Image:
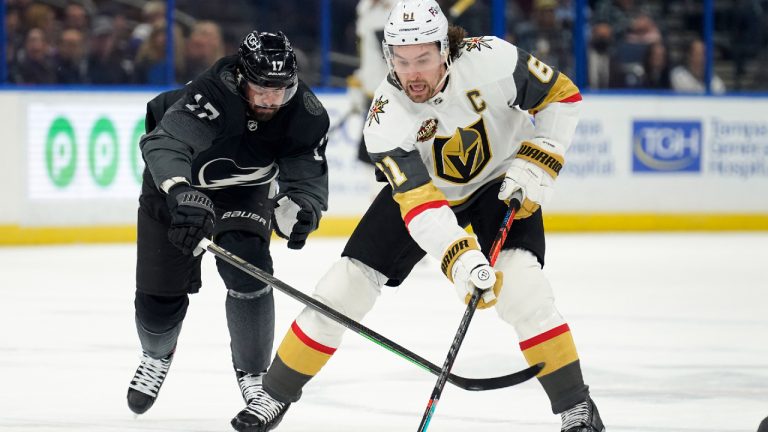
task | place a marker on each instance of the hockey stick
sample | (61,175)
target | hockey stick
(474,384)
(459,7)
(338,124)
(453,351)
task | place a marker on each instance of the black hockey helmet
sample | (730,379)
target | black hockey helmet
(267,63)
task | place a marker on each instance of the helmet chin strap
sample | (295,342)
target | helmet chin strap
(439,86)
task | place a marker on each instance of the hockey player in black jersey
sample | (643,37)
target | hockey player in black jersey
(235,154)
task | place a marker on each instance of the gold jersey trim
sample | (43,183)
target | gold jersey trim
(563,88)
(413,198)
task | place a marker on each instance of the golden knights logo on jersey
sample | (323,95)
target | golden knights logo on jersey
(461,157)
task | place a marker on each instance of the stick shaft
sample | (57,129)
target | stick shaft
(453,351)
(473,384)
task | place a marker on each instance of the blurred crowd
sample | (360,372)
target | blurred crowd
(104,45)
(653,44)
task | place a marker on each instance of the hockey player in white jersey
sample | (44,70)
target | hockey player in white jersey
(451,129)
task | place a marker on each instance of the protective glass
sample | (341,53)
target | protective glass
(424,61)
(269,97)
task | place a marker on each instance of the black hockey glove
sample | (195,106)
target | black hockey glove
(293,219)
(192,217)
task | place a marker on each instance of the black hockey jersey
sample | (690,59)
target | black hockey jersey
(204,132)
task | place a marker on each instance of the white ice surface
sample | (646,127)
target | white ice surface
(672,331)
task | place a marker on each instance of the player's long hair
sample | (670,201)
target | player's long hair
(456,36)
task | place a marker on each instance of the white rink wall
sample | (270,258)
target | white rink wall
(72,160)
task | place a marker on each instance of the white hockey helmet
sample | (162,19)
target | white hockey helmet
(414,22)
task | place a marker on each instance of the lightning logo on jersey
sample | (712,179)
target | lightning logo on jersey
(461,157)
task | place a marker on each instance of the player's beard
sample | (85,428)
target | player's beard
(421,96)
(263,114)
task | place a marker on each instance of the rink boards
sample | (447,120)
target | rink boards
(72,167)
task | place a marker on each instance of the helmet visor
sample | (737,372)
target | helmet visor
(406,59)
(268,97)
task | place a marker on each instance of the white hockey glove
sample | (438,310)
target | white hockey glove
(471,270)
(533,172)
(294,219)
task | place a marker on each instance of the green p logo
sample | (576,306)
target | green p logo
(103,152)
(61,152)
(137,162)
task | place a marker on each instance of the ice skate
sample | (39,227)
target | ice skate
(263,412)
(582,417)
(146,382)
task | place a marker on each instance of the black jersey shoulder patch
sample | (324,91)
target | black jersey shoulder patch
(229,80)
(312,104)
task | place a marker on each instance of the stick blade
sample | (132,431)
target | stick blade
(483,384)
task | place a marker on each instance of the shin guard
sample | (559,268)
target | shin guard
(251,324)
(351,288)
(527,302)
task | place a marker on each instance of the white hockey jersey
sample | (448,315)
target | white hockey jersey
(442,151)
(466,135)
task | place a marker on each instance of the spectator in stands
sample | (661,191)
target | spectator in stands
(203,47)
(545,38)
(76,18)
(153,13)
(151,62)
(619,13)
(643,30)
(603,70)
(121,30)
(71,67)
(564,14)
(746,30)
(656,67)
(689,77)
(41,17)
(34,65)
(13,36)
(106,65)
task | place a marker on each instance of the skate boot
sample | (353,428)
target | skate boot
(146,382)
(263,412)
(582,417)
